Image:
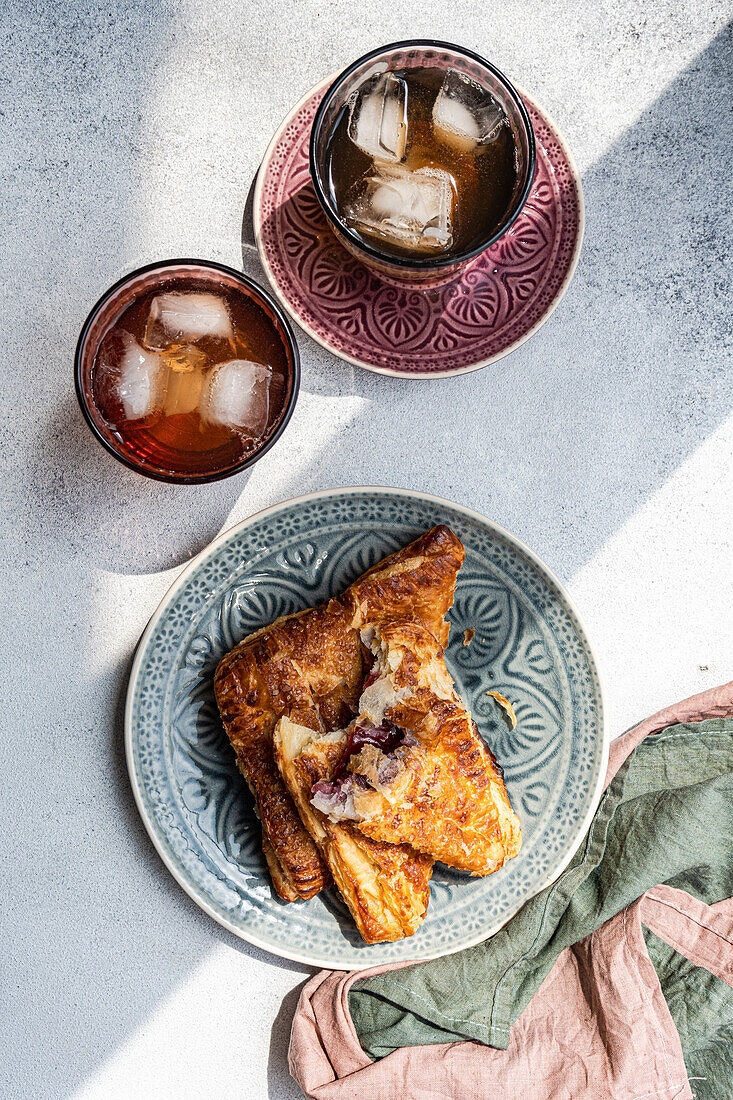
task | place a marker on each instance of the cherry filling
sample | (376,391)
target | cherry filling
(371,677)
(385,736)
(335,798)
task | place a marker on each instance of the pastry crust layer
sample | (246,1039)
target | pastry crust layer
(442,792)
(386,886)
(310,668)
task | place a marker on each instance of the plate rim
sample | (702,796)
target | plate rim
(391,372)
(313,959)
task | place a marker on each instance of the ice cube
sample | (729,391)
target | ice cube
(183,317)
(409,208)
(185,380)
(378,117)
(129,382)
(185,359)
(465,114)
(236,395)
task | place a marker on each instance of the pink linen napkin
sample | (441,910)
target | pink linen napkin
(614,1037)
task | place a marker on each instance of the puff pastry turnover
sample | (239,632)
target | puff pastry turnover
(310,668)
(418,772)
(386,886)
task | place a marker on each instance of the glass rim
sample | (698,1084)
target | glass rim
(413,262)
(288,339)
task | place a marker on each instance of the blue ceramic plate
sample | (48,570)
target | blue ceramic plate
(529,645)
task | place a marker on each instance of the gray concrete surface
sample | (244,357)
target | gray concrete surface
(133,132)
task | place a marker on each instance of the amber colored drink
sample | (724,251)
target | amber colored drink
(422,162)
(191,377)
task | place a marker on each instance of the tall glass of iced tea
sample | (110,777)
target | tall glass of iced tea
(187,371)
(421,155)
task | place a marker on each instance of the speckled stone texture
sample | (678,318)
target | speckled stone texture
(133,132)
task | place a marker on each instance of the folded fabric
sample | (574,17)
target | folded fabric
(573,973)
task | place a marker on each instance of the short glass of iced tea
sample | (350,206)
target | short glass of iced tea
(187,371)
(422,155)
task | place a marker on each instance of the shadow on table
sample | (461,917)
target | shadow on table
(126,523)
(248,228)
(630,360)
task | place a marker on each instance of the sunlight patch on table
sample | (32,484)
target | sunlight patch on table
(209,1015)
(320,424)
(687,528)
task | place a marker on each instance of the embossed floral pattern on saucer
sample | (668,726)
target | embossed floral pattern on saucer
(528,644)
(457,324)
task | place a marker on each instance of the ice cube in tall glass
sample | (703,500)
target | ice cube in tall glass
(378,117)
(410,209)
(185,317)
(236,395)
(129,381)
(185,379)
(465,115)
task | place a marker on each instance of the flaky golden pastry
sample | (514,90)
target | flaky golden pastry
(310,668)
(386,886)
(437,786)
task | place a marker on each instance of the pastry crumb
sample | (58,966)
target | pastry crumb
(468,635)
(506,706)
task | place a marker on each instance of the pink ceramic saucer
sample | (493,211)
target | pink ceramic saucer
(392,326)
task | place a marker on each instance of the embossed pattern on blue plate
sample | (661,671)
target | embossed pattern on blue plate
(529,645)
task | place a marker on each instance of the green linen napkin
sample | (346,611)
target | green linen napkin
(667,817)
(701,1006)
